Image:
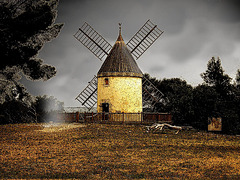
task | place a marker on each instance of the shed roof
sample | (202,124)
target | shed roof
(119,62)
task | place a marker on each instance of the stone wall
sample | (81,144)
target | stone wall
(123,94)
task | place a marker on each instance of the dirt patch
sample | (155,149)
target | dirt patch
(54,127)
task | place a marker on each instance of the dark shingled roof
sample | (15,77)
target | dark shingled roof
(120,62)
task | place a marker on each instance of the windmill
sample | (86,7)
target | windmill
(119,85)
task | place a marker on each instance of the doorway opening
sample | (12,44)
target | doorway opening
(105,110)
(105,107)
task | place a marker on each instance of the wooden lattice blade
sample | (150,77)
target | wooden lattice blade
(151,95)
(88,97)
(93,41)
(143,39)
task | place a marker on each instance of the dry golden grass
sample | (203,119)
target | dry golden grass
(100,151)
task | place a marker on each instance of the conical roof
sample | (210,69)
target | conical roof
(119,62)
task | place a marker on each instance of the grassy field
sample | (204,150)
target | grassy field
(100,151)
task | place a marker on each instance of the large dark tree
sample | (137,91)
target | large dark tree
(25,26)
(179,95)
(205,103)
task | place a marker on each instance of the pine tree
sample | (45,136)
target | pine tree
(215,77)
(25,26)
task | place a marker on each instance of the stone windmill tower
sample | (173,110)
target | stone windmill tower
(120,86)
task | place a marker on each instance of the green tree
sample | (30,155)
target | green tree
(215,76)
(226,103)
(205,105)
(25,26)
(179,95)
(15,111)
(46,106)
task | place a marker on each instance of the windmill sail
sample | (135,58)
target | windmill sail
(143,39)
(139,43)
(88,97)
(93,41)
(151,95)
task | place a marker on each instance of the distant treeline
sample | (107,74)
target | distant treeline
(217,96)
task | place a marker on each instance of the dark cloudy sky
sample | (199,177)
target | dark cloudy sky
(194,31)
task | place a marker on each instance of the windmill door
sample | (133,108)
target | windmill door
(105,110)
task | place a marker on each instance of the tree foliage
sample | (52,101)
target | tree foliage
(25,26)
(216,97)
(238,78)
(204,105)
(179,95)
(41,109)
(215,76)
(45,106)
(15,111)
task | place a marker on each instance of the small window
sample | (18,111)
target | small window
(106,81)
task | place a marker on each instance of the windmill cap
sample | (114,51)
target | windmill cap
(120,62)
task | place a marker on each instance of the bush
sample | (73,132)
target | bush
(16,112)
